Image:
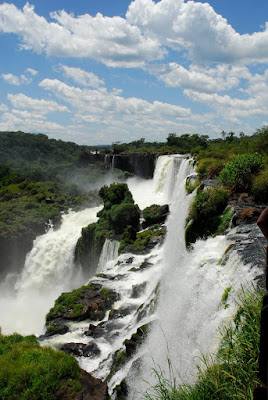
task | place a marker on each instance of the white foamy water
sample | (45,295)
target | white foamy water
(189,314)
(186,321)
(49,270)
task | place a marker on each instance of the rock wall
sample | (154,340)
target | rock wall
(139,164)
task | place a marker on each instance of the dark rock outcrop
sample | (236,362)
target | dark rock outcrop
(92,389)
(155,214)
(139,164)
(80,349)
(88,302)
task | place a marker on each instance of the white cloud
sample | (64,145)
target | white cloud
(83,77)
(23,121)
(208,80)
(100,102)
(42,106)
(15,80)
(112,41)
(32,71)
(198,29)
(3,107)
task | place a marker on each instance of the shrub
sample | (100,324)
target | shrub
(204,218)
(238,173)
(123,215)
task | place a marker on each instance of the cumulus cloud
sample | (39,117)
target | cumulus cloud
(112,41)
(196,28)
(83,77)
(149,28)
(100,102)
(15,80)
(21,101)
(27,122)
(208,80)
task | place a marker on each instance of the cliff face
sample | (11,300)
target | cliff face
(139,164)
(13,250)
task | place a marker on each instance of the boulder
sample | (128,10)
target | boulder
(88,302)
(92,389)
(80,349)
(247,215)
(155,214)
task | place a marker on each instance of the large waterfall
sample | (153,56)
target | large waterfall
(188,315)
(48,271)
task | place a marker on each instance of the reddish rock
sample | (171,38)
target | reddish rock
(247,216)
(92,389)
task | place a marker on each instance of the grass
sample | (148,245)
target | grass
(31,372)
(232,373)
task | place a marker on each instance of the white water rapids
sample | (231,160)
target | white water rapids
(186,320)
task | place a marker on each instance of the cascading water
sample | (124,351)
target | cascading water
(108,254)
(49,270)
(188,315)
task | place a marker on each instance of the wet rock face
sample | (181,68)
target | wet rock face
(249,242)
(80,349)
(88,302)
(139,164)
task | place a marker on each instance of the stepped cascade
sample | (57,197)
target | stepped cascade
(174,291)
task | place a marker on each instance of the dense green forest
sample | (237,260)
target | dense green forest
(42,177)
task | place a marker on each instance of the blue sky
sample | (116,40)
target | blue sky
(96,72)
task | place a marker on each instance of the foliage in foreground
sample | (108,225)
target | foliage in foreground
(31,372)
(233,374)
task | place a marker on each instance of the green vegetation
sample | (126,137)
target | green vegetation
(238,173)
(119,212)
(155,214)
(140,241)
(40,178)
(28,205)
(204,218)
(232,373)
(31,372)
(76,305)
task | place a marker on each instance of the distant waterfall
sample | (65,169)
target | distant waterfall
(49,270)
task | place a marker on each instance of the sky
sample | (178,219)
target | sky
(97,72)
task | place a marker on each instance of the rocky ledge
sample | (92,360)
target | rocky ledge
(89,302)
(92,389)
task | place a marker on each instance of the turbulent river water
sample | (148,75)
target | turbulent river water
(186,321)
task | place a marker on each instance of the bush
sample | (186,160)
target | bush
(238,174)
(123,215)
(204,216)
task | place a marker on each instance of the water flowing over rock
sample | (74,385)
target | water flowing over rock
(174,292)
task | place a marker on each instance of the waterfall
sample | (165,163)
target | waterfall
(49,270)
(189,316)
(108,254)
